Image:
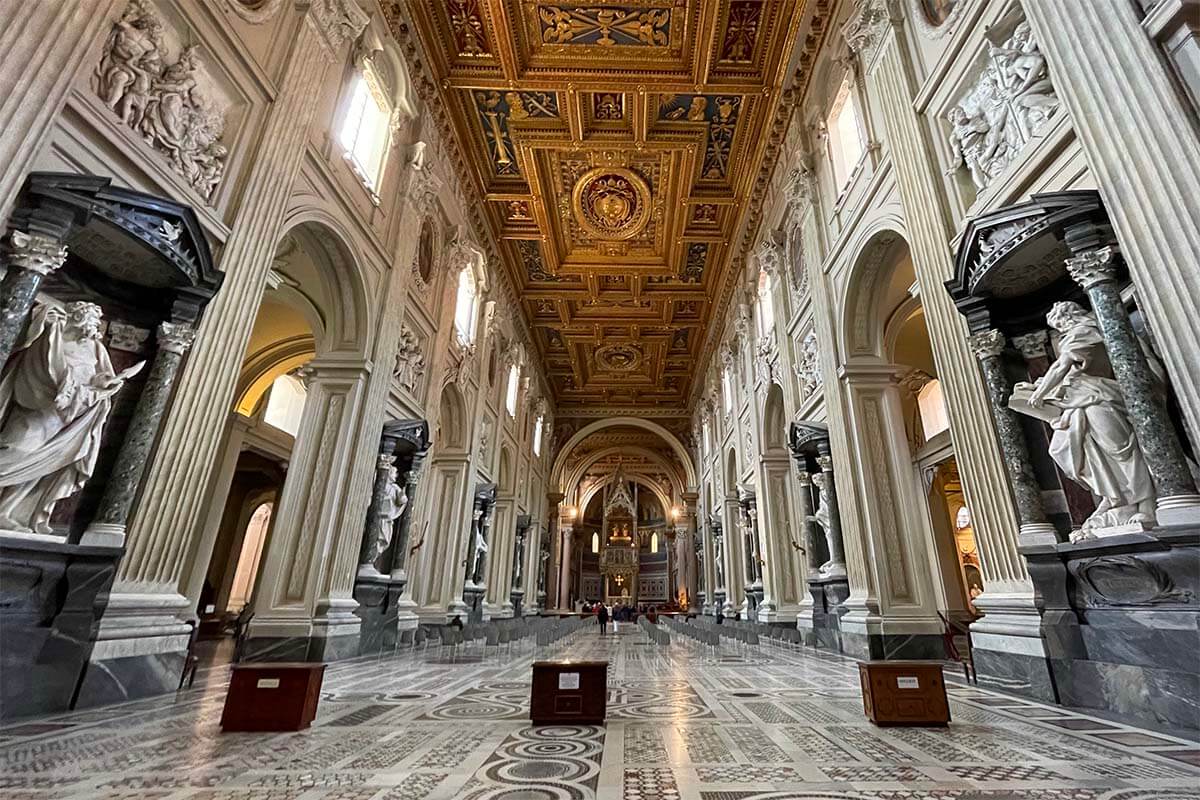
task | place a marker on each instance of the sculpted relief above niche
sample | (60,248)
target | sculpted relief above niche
(1011,102)
(164,96)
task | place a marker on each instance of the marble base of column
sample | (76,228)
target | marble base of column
(1181,510)
(104,534)
(1035,533)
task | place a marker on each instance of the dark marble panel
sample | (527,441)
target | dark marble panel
(1160,696)
(378,610)
(276,648)
(130,678)
(1018,673)
(51,598)
(877,647)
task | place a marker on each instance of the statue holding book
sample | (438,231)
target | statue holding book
(1093,442)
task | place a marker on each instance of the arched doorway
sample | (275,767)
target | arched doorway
(896,424)
(312,309)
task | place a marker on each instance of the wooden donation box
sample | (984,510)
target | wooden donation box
(569,691)
(266,696)
(904,692)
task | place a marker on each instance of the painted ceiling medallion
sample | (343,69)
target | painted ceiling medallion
(611,203)
(621,357)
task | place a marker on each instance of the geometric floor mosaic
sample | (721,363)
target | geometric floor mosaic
(772,725)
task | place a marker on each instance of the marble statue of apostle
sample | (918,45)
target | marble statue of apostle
(384,522)
(823,515)
(55,396)
(1093,441)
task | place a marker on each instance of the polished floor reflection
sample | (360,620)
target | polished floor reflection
(759,725)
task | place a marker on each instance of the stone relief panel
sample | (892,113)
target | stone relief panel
(808,366)
(410,361)
(165,95)
(1011,102)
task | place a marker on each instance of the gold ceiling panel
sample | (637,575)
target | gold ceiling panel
(616,142)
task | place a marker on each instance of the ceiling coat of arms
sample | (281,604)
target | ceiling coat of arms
(616,143)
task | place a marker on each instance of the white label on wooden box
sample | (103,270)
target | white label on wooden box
(268,683)
(905,682)
(568,680)
(210,608)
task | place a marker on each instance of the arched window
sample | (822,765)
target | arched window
(366,128)
(466,307)
(727,391)
(706,437)
(933,409)
(766,306)
(537,435)
(510,394)
(654,542)
(242,588)
(845,135)
(285,404)
(595,542)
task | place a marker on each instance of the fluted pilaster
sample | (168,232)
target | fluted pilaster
(978,452)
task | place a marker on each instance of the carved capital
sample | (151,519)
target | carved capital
(987,344)
(1093,267)
(1032,345)
(805,478)
(175,337)
(385,462)
(825,463)
(864,29)
(34,252)
(338,22)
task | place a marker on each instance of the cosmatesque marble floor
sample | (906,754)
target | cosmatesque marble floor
(768,725)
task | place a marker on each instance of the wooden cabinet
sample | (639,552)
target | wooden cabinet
(265,696)
(904,692)
(569,691)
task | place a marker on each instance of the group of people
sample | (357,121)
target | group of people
(618,614)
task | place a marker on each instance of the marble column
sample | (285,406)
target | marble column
(107,527)
(1027,493)
(565,568)
(1146,172)
(808,530)
(47,48)
(1178,501)
(28,257)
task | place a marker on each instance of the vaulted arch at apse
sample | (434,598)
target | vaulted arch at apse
(655,467)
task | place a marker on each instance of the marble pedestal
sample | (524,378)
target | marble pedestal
(473,598)
(1121,617)
(378,607)
(823,629)
(517,599)
(53,596)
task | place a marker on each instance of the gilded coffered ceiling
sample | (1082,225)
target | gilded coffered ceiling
(615,144)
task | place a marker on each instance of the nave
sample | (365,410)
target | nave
(760,723)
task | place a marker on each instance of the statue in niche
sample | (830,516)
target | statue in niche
(383,525)
(824,518)
(1093,441)
(55,397)
(480,549)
